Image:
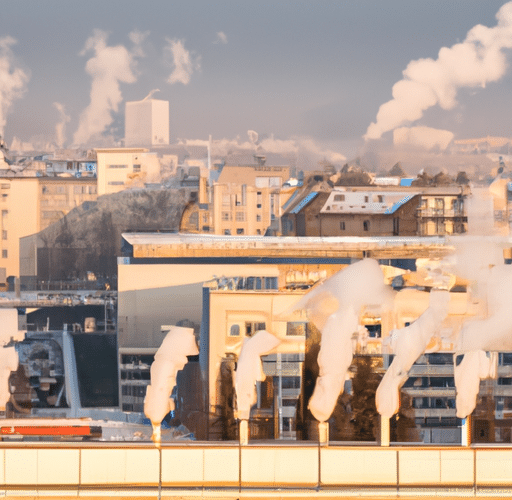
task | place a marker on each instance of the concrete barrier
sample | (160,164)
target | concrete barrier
(228,470)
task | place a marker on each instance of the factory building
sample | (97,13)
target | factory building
(147,123)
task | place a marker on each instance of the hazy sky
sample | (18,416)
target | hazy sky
(318,70)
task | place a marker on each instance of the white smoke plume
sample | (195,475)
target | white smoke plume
(299,146)
(60,127)
(424,137)
(249,370)
(109,66)
(13,80)
(221,38)
(183,62)
(170,358)
(478,60)
(409,344)
(334,307)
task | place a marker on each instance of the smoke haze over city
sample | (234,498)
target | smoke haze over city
(334,77)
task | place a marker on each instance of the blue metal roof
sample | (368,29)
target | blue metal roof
(406,182)
(290,199)
(398,204)
(311,196)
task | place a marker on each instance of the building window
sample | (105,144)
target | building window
(4,234)
(239,230)
(226,200)
(296,328)
(4,254)
(251,327)
(234,331)
(226,216)
(396,226)
(366,199)
(227,232)
(342,225)
(339,197)
(6,186)
(5,213)
(117,166)
(366,225)
(258,217)
(240,216)
(116,183)
(136,168)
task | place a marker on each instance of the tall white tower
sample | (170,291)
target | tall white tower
(146,122)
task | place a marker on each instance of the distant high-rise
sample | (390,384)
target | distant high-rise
(146,123)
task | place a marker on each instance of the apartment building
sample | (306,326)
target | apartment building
(123,168)
(376,211)
(30,204)
(240,200)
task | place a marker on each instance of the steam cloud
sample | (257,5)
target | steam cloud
(13,80)
(170,358)
(334,307)
(249,370)
(60,128)
(108,67)
(478,60)
(409,344)
(221,38)
(183,62)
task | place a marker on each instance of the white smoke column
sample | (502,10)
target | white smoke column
(249,370)
(13,80)
(348,291)
(469,369)
(60,128)
(476,61)
(408,344)
(170,358)
(493,333)
(108,67)
(424,137)
(184,62)
(8,355)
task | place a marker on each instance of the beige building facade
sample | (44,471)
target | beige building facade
(244,200)
(30,204)
(123,168)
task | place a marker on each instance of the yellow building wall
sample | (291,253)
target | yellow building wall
(228,308)
(163,294)
(19,217)
(116,169)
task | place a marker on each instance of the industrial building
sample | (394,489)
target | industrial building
(146,123)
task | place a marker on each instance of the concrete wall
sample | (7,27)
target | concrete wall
(229,470)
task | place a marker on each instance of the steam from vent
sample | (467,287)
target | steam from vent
(424,137)
(170,358)
(13,80)
(109,66)
(334,307)
(476,61)
(249,370)
(183,62)
(60,128)
(409,344)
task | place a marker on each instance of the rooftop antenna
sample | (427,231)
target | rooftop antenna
(210,152)
(150,95)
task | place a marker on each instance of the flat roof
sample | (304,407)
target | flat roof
(192,247)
